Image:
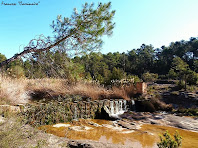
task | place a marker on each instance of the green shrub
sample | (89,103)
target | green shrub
(16,72)
(149,77)
(162,77)
(166,140)
(135,78)
(181,84)
(117,74)
(172,74)
(192,88)
(187,111)
(192,78)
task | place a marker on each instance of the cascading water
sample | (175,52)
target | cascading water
(125,105)
(112,107)
(133,104)
(117,108)
(120,106)
(75,113)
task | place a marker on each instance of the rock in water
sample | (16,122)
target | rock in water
(76,144)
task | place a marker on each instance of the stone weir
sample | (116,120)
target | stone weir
(101,109)
(89,109)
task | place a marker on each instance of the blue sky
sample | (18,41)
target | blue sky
(156,22)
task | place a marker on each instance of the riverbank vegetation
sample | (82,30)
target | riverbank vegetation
(177,61)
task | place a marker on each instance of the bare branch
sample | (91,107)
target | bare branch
(29,49)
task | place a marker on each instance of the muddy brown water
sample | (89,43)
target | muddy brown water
(105,131)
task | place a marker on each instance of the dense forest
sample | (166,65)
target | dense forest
(179,60)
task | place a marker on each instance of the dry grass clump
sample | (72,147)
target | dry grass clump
(52,88)
(130,90)
(17,91)
(12,90)
(46,88)
(58,85)
(152,105)
(159,105)
(95,91)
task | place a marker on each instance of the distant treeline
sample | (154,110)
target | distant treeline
(179,60)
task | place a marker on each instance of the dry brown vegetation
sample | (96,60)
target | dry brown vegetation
(22,90)
(12,90)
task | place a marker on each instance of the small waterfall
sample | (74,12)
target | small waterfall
(125,105)
(117,108)
(75,112)
(120,106)
(132,104)
(112,107)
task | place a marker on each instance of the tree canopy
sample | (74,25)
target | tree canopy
(80,33)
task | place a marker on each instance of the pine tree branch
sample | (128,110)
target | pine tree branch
(30,50)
